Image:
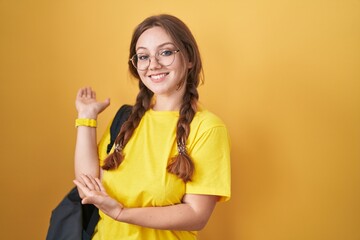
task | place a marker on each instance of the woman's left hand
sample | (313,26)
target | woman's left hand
(95,193)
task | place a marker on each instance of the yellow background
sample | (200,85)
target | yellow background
(283,75)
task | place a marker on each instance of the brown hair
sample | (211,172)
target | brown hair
(181,164)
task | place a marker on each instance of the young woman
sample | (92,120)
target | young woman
(170,163)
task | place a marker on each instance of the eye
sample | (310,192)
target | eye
(142,57)
(166,53)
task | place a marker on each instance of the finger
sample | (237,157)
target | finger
(101,187)
(87,181)
(80,93)
(88,92)
(85,91)
(80,180)
(82,186)
(95,183)
(91,182)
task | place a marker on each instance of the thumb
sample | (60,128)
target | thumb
(104,104)
(88,200)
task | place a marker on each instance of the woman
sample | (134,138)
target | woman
(170,164)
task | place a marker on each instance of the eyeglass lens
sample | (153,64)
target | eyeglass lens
(163,57)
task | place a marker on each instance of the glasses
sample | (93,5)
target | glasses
(141,61)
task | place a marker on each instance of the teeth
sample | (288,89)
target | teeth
(157,77)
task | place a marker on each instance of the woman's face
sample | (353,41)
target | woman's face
(162,80)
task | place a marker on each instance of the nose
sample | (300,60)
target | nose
(154,63)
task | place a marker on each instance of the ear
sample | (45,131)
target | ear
(190,65)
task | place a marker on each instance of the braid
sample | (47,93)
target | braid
(142,104)
(181,165)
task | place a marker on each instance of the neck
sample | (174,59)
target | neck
(169,102)
(166,104)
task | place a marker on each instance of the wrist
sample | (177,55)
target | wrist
(86,122)
(118,216)
(88,113)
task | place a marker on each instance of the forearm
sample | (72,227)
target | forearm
(86,155)
(177,217)
(188,216)
(86,152)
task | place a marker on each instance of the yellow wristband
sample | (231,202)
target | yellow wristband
(86,122)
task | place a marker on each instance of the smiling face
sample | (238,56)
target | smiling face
(162,80)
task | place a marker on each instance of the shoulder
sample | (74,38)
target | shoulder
(207,119)
(206,122)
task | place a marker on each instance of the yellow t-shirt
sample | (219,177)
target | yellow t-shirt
(143,181)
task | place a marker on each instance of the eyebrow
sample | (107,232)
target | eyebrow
(160,46)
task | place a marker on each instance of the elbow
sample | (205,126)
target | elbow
(199,225)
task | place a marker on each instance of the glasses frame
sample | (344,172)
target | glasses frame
(132,59)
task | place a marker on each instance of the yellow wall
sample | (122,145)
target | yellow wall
(284,76)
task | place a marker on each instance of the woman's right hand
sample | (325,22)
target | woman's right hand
(87,105)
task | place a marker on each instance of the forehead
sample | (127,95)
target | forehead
(154,38)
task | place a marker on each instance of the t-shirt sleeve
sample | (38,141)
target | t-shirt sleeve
(211,156)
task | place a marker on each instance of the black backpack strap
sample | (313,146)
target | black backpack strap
(121,116)
(90,220)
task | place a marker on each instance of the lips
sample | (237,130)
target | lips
(158,77)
